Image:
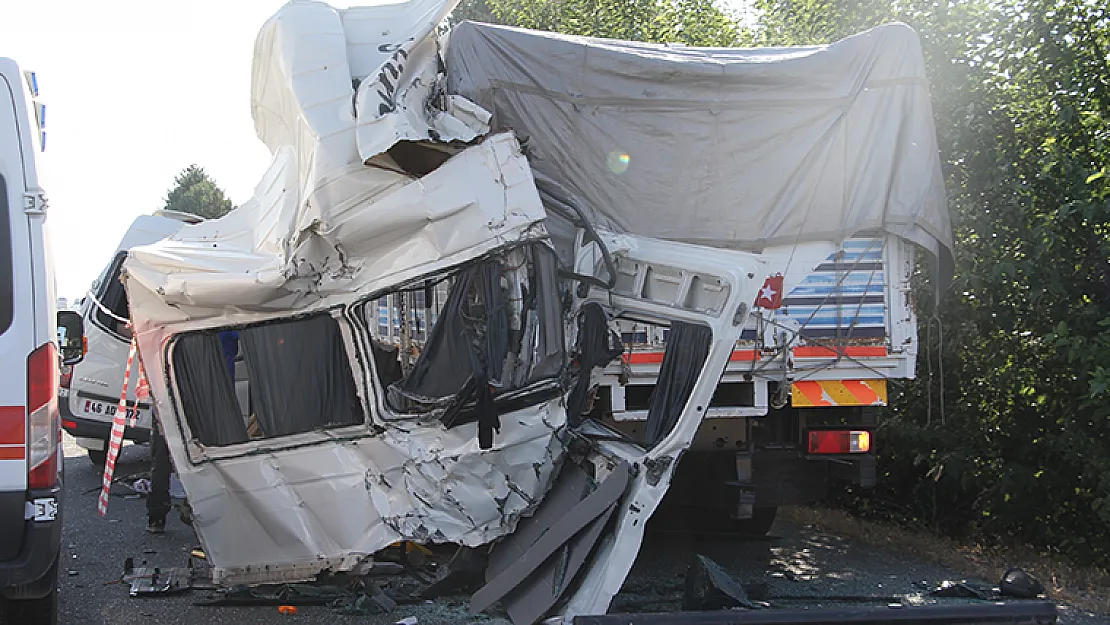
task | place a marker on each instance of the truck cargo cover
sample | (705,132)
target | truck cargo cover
(738,148)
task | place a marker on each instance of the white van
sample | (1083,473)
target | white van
(30,434)
(89,393)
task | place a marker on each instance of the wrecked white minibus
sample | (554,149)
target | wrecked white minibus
(466,426)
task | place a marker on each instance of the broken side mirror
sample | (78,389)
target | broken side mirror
(71,337)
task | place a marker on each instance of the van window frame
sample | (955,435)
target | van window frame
(7,276)
(199,453)
(102,289)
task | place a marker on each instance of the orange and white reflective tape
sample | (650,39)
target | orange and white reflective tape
(819,393)
(655,356)
(115,442)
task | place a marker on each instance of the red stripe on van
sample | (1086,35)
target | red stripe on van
(13,425)
(13,453)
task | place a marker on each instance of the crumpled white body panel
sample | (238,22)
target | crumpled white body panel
(335,212)
(382,225)
(333,221)
(301,510)
(312,502)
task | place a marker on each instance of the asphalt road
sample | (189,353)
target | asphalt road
(95,547)
(798,567)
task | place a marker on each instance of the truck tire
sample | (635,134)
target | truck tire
(760,523)
(42,611)
(98,457)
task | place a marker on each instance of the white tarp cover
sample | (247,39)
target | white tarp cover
(739,148)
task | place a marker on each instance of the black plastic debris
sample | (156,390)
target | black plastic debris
(146,580)
(386,568)
(153,580)
(960,590)
(465,573)
(1019,584)
(285,594)
(363,604)
(709,587)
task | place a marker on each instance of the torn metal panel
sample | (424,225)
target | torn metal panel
(341,86)
(335,211)
(718,272)
(520,565)
(528,603)
(257,260)
(152,580)
(288,514)
(710,587)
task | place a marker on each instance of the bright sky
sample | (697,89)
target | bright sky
(135,91)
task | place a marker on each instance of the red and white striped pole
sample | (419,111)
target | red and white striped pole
(116,440)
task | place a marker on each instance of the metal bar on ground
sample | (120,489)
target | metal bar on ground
(1016,613)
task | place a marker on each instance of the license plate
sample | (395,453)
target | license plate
(106,409)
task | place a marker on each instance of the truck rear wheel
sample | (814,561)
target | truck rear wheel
(98,456)
(760,523)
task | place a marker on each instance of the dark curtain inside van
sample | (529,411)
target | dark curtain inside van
(470,339)
(206,391)
(548,359)
(687,348)
(300,376)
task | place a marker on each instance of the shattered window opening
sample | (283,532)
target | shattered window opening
(419,307)
(299,379)
(681,349)
(495,330)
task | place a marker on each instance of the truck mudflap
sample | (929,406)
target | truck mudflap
(1029,612)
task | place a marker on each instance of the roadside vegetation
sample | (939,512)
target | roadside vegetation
(1004,437)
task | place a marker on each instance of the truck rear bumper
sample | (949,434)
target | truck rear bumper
(773,477)
(41,542)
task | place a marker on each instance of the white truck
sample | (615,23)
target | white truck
(822,160)
(797,403)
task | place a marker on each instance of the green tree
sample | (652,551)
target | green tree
(693,22)
(1021,90)
(196,193)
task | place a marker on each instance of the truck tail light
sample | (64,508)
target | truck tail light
(43,419)
(839,441)
(66,376)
